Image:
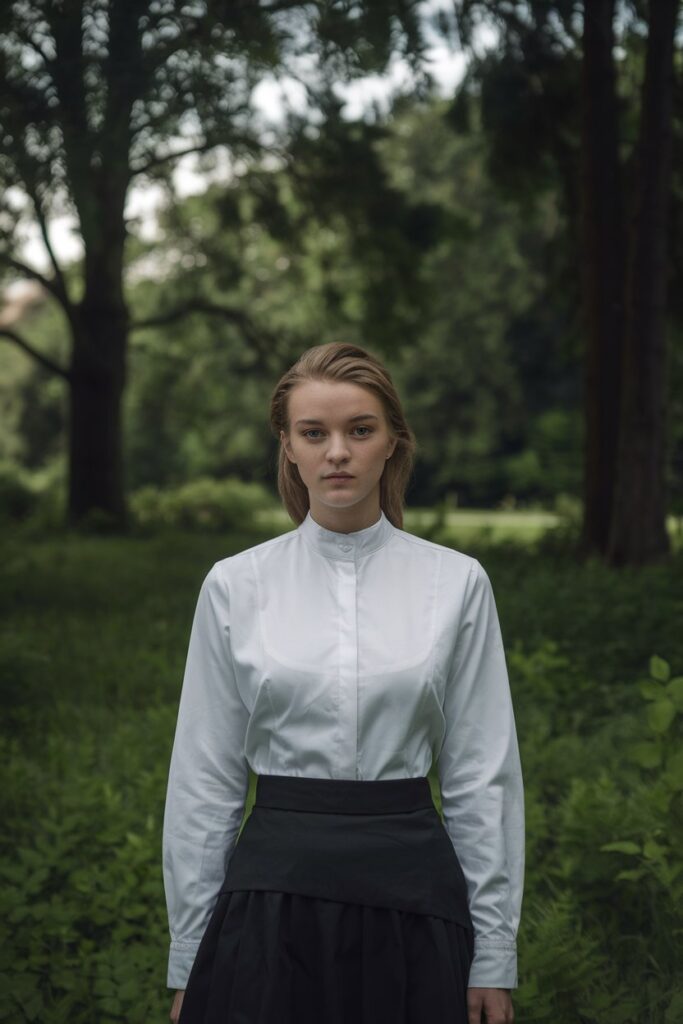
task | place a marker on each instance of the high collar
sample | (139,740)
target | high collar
(348,547)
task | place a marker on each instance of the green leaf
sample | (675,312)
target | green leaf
(18,914)
(31,1004)
(659,669)
(651,690)
(661,715)
(660,800)
(653,851)
(674,768)
(646,754)
(111,1005)
(675,692)
(674,1011)
(621,846)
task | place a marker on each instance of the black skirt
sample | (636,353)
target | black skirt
(344,903)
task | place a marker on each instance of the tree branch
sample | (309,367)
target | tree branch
(157,161)
(59,280)
(204,147)
(256,336)
(50,286)
(189,307)
(30,271)
(45,361)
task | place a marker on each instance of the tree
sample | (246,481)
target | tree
(360,235)
(95,94)
(603,242)
(579,134)
(638,526)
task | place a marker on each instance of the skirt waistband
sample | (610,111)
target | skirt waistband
(380,843)
(343,796)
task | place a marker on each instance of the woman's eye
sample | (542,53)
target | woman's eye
(315,430)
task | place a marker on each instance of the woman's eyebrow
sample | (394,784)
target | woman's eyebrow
(361,416)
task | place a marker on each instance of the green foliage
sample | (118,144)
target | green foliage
(399,232)
(204,504)
(602,922)
(563,964)
(89,697)
(487,365)
(410,252)
(88,693)
(35,499)
(82,928)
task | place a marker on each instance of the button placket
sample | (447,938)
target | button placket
(348,665)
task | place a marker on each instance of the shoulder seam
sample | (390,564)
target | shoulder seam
(270,542)
(441,548)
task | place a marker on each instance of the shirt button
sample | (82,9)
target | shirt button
(345,547)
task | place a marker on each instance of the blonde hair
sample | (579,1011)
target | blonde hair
(341,361)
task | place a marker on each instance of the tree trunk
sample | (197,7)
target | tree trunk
(98,377)
(638,533)
(98,367)
(96,481)
(602,273)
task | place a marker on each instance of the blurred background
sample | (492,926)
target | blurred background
(487,195)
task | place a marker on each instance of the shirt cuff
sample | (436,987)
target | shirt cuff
(180,960)
(494,965)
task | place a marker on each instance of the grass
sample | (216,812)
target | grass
(466,526)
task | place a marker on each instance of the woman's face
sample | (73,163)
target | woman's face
(338,427)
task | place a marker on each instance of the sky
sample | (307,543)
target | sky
(270,98)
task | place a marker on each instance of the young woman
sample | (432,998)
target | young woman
(339,661)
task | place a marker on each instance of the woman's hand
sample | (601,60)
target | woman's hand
(177,1003)
(494,1002)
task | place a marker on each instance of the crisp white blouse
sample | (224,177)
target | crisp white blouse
(361,655)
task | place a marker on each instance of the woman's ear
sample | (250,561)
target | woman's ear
(287,447)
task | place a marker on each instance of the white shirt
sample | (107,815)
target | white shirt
(360,655)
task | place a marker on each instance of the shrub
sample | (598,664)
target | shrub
(204,504)
(605,827)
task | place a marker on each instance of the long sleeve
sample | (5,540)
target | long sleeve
(208,779)
(482,793)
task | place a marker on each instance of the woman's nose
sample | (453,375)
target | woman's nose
(337,447)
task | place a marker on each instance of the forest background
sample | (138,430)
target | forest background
(512,249)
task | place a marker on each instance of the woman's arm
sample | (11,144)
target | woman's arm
(208,779)
(481,784)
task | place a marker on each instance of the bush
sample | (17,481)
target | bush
(83,932)
(34,500)
(600,939)
(204,504)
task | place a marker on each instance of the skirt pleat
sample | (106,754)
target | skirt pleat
(270,957)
